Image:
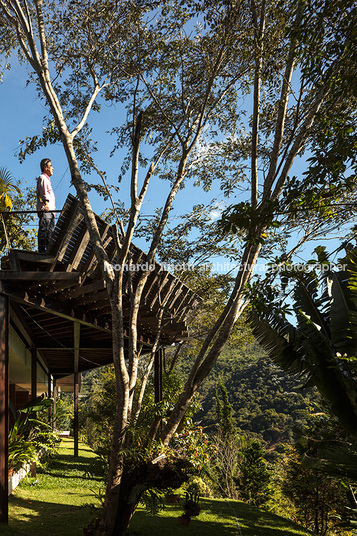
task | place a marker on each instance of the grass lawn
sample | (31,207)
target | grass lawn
(217,518)
(58,503)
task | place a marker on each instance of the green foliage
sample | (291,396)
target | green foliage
(200,486)
(30,435)
(189,442)
(224,413)
(58,501)
(254,477)
(248,219)
(62,503)
(152,499)
(192,443)
(318,500)
(64,411)
(97,410)
(184,84)
(21,452)
(7,187)
(191,504)
(13,231)
(267,403)
(224,466)
(323,342)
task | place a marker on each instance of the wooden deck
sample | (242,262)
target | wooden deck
(58,306)
(59,303)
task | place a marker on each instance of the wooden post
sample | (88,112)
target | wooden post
(76,338)
(49,393)
(33,373)
(75,414)
(54,405)
(4,405)
(158,376)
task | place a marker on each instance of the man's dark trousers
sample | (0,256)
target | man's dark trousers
(46,225)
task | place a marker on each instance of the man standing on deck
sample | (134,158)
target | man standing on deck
(46,205)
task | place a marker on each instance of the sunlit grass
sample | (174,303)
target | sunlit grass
(58,503)
(218,517)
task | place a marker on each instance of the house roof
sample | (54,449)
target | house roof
(59,301)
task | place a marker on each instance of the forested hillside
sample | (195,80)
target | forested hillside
(266,401)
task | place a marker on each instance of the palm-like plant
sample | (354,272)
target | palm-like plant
(7,187)
(323,343)
(13,232)
(26,437)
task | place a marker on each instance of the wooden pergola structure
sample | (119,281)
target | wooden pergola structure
(57,305)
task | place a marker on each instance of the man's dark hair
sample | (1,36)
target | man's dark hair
(44,163)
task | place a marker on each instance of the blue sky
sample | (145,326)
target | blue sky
(22,113)
(21,116)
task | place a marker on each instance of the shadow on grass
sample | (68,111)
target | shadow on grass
(39,518)
(68,467)
(254,522)
(218,518)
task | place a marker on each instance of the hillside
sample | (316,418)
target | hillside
(266,402)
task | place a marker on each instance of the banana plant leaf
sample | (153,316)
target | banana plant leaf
(323,343)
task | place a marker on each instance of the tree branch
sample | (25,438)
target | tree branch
(91,101)
(299,141)
(259,45)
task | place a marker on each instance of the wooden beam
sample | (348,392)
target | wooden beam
(106,346)
(185,306)
(149,285)
(49,385)
(14,260)
(40,276)
(31,256)
(55,287)
(53,306)
(4,406)
(175,295)
(17,321)
(82,241)
(96,304)
(49,394)
(56,246)
(94,297)
(181,298)
(132,277)
(85,289)
(162,282)
(86,268)
(20,325)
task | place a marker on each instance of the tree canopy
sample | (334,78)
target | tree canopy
(210,91)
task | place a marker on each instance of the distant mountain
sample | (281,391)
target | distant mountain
(266,402)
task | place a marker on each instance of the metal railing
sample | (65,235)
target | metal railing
(16,212)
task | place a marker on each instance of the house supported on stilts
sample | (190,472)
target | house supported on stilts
(55,319)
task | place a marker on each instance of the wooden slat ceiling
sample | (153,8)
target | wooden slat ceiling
(50,293)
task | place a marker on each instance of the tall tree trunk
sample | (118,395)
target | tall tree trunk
(116,518)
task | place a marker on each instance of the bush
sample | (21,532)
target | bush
(197,485)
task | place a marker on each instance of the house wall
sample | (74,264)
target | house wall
(20,367)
